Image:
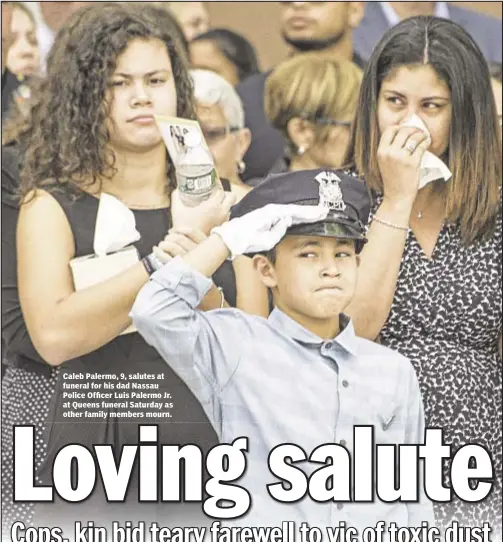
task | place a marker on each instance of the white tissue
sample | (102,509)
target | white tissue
(432,168)
(115,226)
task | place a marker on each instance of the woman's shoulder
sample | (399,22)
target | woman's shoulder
(40,211)
(38,198)
(66,195)
(57,203)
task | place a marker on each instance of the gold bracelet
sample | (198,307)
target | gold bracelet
(390,224)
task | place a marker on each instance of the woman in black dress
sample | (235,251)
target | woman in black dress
(92,132)
(430,276)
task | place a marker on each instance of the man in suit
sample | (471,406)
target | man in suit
(326,27)
(379,16)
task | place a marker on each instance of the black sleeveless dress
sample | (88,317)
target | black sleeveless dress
(127,358)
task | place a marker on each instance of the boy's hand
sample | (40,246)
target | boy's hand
(263,229)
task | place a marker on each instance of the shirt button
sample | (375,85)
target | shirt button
(340,506)
(343,442)
(328,346)
(345,383)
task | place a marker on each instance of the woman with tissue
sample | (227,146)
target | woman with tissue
(96,184)
(427,141)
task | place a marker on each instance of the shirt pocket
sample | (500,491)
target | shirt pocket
(389,425)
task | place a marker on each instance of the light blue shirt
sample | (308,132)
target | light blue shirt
(441,10)
(273,381)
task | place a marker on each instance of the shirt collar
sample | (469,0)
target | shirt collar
(441,10)
(346,338)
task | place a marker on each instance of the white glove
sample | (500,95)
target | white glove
(263,229)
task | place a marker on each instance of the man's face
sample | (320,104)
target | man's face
(6,32)
(314,278)
(311,22)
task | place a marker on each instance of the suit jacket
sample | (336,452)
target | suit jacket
(485,30)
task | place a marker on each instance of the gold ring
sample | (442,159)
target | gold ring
(411,146)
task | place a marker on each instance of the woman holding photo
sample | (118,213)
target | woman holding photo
(91,132)
(430,276)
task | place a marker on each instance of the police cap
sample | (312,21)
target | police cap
(346,196)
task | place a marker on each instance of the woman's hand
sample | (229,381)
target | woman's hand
(204,217)
(399,156)
(178,242)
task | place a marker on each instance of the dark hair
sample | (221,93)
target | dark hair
(68,136)
(236,48)
(495,70)
(474,153)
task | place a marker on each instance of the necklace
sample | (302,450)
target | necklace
(420,215)
(138,206)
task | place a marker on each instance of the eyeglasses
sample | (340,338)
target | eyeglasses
(326,121)
(213,135)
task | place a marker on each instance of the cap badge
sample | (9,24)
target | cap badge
(330,191)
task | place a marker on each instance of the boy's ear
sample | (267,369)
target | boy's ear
(266,270)
(358,260)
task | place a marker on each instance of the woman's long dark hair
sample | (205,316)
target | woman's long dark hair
(474,153)
(67,137)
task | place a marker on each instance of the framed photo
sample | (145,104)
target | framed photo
(174,130)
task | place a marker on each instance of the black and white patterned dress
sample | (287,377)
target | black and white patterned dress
(28,384)
(446,318)
(25,401)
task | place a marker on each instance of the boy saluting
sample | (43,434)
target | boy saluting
(301,376)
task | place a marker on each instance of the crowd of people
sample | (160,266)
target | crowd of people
(219,295)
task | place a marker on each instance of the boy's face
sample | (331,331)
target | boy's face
(313,278)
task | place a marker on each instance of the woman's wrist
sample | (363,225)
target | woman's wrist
(152,263)
(397,211)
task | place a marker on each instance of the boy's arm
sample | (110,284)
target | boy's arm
(200,347)
(415,432)
(203,348)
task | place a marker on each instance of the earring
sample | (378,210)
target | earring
(241,167)
(302,149)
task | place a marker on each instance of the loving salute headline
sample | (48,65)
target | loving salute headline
(396,473)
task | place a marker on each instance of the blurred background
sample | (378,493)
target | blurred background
(258,21)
